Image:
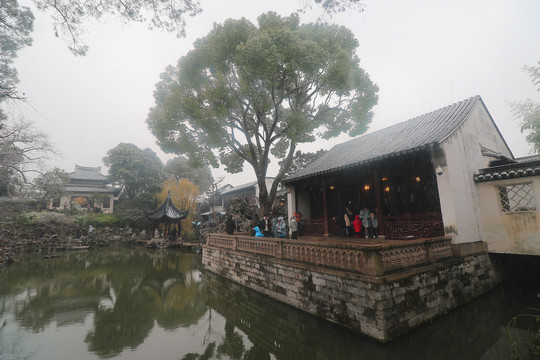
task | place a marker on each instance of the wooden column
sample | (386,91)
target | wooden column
(325,210)
(378,200)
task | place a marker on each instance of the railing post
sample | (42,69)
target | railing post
(279,250)
(235,243)
(430,259)
(373,262)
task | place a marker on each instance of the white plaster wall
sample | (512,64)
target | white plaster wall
(511,233)
(460,204)
(291,203)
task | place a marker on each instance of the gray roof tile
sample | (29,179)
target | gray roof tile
(87,173)
(430,128)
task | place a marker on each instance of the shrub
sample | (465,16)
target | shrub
(98,220)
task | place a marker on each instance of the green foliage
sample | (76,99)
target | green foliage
(16,23)
(528,111)
(135,218)
(63,219)
(69,16)
(51,185)
(301,160)
(250,90)
(181,168)
(45,217)
(25,219)
(139,171)
(98,220)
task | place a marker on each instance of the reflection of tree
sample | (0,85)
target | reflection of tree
(176,294)
(127,324)
(167,293)
(208,353)
(233,344)
(35,314)
(257,352)
(74,296)
(126,289)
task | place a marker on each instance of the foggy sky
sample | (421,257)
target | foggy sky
(423,55)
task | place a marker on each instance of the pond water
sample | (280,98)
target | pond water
(128,303)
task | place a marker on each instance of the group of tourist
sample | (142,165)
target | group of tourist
(363,225)
(271,226)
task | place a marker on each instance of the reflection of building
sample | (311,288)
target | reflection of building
(88,188)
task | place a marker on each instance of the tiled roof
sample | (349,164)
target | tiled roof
(167,212)
(410,135)
(87,173)
(242,187)
(239,187)
(524,167)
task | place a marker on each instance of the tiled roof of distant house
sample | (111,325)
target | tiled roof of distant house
(87,173)
(411,135)
(242,187)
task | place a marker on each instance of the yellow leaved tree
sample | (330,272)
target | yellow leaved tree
(184,196)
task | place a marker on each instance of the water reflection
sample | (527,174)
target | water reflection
(132,304)
(474,331)
(124,290)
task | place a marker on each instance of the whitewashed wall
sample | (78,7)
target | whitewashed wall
(460,204)
(510,232)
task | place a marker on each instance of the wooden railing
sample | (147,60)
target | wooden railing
(312,226)
(418,226)
(369,259)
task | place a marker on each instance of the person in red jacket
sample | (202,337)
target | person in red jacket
(357,224)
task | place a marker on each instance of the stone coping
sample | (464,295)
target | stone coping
(373,257)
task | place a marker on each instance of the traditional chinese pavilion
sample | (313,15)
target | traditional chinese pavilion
(416,176)
(168,214)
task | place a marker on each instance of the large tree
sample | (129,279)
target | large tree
(246,92)
(51,185)
(180,168)
(528,111)
(23,150)
(16,24)
(139,171)
(301,160)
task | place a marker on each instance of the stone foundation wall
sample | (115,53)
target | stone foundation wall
(381,307)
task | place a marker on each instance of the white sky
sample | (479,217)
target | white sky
(424,55)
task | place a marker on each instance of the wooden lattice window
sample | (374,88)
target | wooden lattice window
(518,197)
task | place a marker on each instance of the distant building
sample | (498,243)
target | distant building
(87,189)
(248,192)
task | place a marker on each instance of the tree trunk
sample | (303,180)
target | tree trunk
(265,200)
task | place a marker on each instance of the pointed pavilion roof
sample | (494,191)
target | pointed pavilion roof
(167,212)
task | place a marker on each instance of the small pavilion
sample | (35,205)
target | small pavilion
(168,214)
